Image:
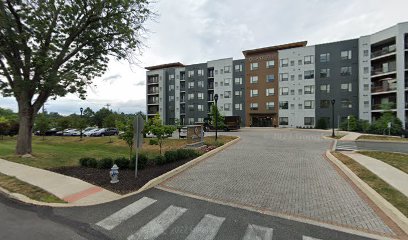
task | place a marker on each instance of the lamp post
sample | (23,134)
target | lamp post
(332,102)
(216,116)
(81,109)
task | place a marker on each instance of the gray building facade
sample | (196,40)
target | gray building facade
(337,74)
(238,108)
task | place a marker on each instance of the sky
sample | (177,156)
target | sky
(195,31)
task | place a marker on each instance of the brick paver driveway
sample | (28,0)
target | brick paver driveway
(283,171)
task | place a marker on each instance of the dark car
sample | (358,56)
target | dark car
(51,132)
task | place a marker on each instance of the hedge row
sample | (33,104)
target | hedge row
(124,163)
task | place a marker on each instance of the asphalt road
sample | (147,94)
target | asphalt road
(383,146)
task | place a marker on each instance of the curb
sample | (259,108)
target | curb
(156,181)
(393,213)
(381,141)
(27,200)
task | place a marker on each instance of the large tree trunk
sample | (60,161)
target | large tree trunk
(26,121)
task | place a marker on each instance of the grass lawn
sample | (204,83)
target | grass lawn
(382,138)
(14,185)
(392,195)
(397,160)
(59,151)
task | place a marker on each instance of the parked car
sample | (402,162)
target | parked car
(51,132)
(88,132)
(105,132)
(69,132)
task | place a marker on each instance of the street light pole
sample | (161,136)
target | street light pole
(81,109)
(332,102)
(216,116)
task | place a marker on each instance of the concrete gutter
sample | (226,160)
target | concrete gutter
(393,213)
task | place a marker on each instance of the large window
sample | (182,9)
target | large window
(200,96)
(200,84)
(324,103)
(325,57)
(200,107)
(191,73)
(200,72)
(309,89)
(284,77)
(309,74)
(227,81)
(270,64)
(283,121)
(325,88)
(309,59)
(309,121)
(345,55)
(254,106)
(227,94)
(345,71)
(238,93)
(309,104)
(254,79)
(190,96)
(227,106)
(254,66)
(171,87)
(238,106)
(270,91)
(238,80)
(190,84)
(346,103)
(346,87)
(227,69)
(254,92)
(284,105)
(284,62)
(325,72)
(270,105)
(270,78)
(283,91)
(238,68)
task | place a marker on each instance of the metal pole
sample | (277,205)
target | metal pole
(333,119)
(216,121)
(137,147)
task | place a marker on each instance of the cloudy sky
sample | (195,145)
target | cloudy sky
(193,31)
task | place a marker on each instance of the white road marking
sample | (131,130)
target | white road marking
(125,213)
(158,225)
(255,232)
(309,238)
(207,228)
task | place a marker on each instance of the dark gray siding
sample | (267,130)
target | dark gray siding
(169,106)
(336,79)
(195,102)
(239,87)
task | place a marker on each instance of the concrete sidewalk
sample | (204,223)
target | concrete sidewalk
(72,190)
(351,136)
(393,176)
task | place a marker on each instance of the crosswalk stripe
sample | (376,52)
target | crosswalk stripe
(207,228)
(309,238)
(125,213)
(158,225)
(255,232)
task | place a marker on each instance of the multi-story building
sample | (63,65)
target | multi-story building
(290,85)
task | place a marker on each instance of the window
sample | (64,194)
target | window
(270,91)
(300,91)
(300,77)
(325,72)
(227,81)
(366,87)
(238,80)
(191,107)
(221,71)
(254,92)
(254,79)
(200,84)
(191,73)
(227,69)
(284,105)
(309,104)
(346,103)
(324,103)
(254,66)
(309,121)
(238,68)
(200,72)
(227,94)
(270,64)
(200,120)
(325,88)
(216,84)
(309,59)
(345,55)
(283,121)
(270,105)
(292,106)
(300,62)
(171,87)
(221,83)
(292,77)
(270,78)
(292,63)
(346,87)
(190,121)
(215,72)
(309,74)
(300,106)
(292,92)
(227,106)
(366,104)
(254,106)
(283,91)
(200,96)
(284,62)
(171,76)
(190,96)
(345,71)
(200,107)
(325,57)
(365,70)
(365,53)
(190,84)
(284,77)
(238,93)
(309,89)
(238,106)
(171,98)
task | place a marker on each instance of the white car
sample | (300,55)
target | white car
(68,132)
(90,131)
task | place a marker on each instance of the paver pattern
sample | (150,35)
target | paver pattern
(283,171)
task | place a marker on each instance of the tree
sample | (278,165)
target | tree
(88,115)
(110,122)
(4,126)
(126,126)
(100,115)
(42,124)
(161,131)
(51,48)
(215,112)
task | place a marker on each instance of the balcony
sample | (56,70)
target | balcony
(152,81)
(153,102)
(211,73)
(210,86)
(152,111)
(379,89)
(380,107)
(153,91)
(381,71)
(384,51)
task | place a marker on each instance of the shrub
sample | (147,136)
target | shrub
(122,162)
(153,142)
(160,160)
(105,163)
(88,162)
(171,156)
(141,161)
(321,123)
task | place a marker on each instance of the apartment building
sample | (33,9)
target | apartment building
(290,85)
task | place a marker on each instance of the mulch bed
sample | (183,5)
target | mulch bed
(127,182)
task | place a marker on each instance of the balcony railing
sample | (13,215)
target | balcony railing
(379,71)
(377,89)
(152,81)
(153,91)
(152,111)
(381,106)
(383,51)
(153,102)
(210,86)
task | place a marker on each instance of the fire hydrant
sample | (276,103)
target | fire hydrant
(114,173)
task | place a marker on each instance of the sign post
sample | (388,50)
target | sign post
(138,125)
